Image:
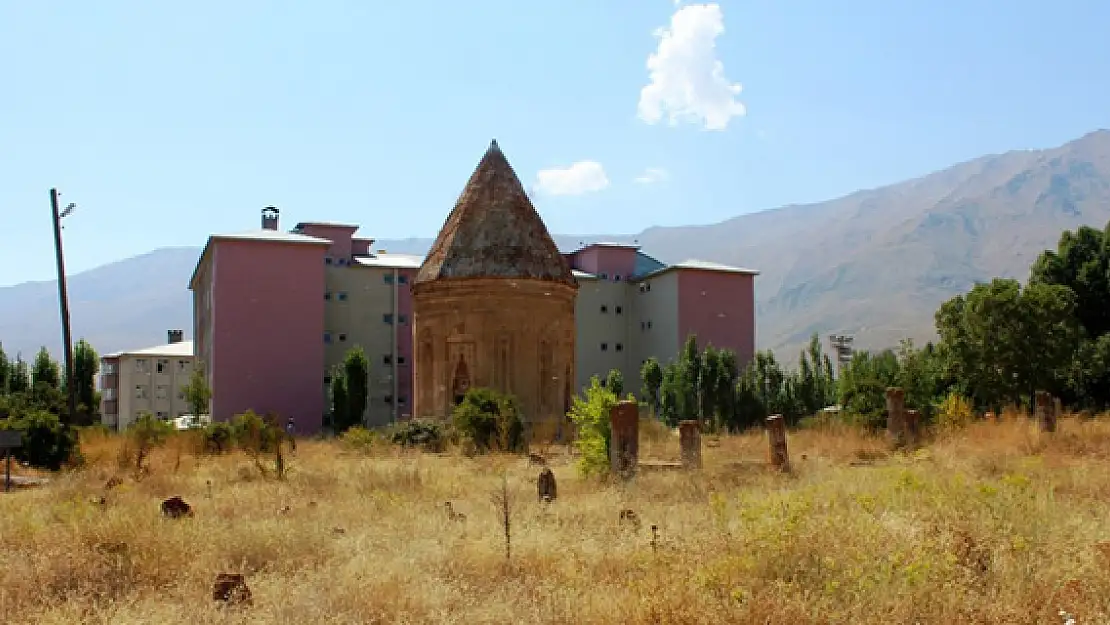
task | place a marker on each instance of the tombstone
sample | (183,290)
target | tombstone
(1046,416)
(9,440)
(913,428)
(176,508)
(624,446)
(231,588)
(776,439)
(689,436)
(896,415)
(545,486)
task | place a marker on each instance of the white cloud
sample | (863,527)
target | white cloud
(652,175)
(581,177)
(687,81)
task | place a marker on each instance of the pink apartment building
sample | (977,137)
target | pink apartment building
(275,312)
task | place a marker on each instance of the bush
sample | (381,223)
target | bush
(490,420)
(147,432)
(954,413)
(218,437)
(255,434)
(45,444)
(426,435)
(591,418)
(359,439)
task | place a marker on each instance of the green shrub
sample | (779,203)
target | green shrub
(255,434)
(359,439)
(147,432)
(426,435)
(490,420)
(591,419)
(218,437)
(45,444)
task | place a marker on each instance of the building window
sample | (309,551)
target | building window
(387,318)
(617,278)
(327,260)
(619,310)
(342,337)
(649,325)
(619,347)
(140,391)
(402,279)
(604,347)
(604,276)
(643,325)
(161,392)
(161,415)
(342,296)
(400,360)
(109,368)
(163,365)
(327,337)
(402,319)
(181,394)
(604,308)
(388,399)
(141,365)
(182,365)
(327,379)
(387,359)
(341,261)
(402,400)
(388,278)
(327,295)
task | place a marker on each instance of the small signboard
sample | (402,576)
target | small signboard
(10,439)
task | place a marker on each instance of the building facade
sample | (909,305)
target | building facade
(276,312)
(146,380)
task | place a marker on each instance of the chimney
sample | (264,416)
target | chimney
(175,336)
(270,218)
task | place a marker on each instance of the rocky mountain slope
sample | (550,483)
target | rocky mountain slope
(875,264)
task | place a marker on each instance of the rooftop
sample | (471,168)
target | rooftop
(392,261)
(494,232)
(263,234)
(172,350)
(702,265)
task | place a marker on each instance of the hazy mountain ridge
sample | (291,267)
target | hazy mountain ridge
(875,263)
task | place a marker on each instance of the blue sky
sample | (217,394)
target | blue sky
(167,121)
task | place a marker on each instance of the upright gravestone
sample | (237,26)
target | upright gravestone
(776,442)
(9,440)
(689,436)
(896,415)
(913,428)
(1046,416)
(624,444)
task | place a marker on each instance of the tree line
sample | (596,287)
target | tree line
(998,344)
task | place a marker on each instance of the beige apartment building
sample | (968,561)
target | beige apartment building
(146,380)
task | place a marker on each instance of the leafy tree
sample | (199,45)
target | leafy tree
(615,382)
(356,373)
(591,418)
(86,363)
(651,376)
(709,364)
(340,404)
(5,371)
(689,372)
(863,385)
(1003,341)
(670,388)
(45,370)
(19,376)
(490,419)
(197,393)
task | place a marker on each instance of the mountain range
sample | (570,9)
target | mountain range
(875,264)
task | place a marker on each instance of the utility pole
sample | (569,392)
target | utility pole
(842,345)
(63,296)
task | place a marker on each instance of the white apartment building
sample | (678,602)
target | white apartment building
(151,380)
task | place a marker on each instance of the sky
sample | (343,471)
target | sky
(165,122)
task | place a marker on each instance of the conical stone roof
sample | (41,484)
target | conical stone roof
(494,232)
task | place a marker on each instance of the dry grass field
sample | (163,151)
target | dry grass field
(994,524)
